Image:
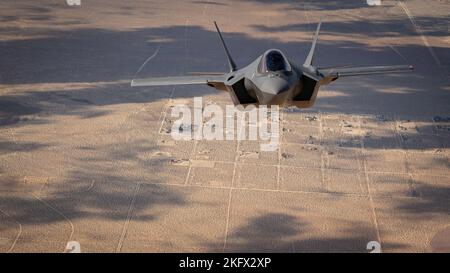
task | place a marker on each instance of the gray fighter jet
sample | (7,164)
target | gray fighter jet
(272,79)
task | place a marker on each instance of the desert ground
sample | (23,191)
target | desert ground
(85,157)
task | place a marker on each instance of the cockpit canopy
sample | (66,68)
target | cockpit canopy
(273,60)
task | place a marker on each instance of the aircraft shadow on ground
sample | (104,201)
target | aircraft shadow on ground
(284,232)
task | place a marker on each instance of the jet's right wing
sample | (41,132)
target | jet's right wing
(213,79)
(179,80)
(368,70)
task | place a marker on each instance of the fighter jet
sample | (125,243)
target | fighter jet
(272,79)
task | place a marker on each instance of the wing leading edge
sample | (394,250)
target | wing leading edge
(179,80)
(368,70)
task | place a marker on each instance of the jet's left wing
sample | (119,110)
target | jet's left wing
(368,70)
(211,80)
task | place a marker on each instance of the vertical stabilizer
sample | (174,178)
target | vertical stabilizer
(310,57)
(231,63)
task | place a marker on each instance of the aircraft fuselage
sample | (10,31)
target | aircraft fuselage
(266,86)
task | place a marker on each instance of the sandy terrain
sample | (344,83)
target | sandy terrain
(84,157)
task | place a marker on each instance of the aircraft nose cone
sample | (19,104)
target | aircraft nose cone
(275,86)
(274,91)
